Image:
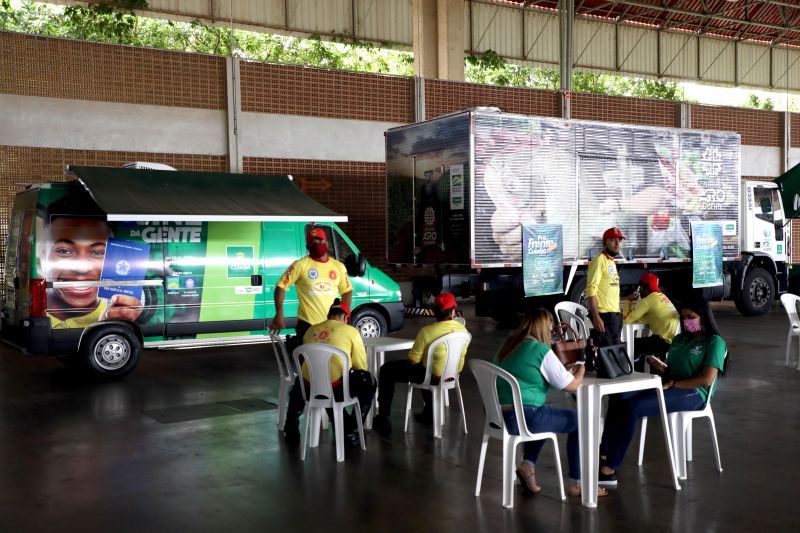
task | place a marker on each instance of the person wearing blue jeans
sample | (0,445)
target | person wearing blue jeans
(694,360)
(526,355)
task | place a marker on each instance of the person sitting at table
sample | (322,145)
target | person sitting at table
(412,370)
(527,355)
(336,332)
(695,358)
(659,314)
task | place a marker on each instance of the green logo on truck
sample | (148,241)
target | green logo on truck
(240,261)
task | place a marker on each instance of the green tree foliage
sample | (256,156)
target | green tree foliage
(754,102)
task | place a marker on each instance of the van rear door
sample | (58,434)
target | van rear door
(18,264)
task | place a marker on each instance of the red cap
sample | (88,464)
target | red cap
(613,233)
(315,233)
(445,301)
(651,281)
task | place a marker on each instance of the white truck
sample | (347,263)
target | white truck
(460,186)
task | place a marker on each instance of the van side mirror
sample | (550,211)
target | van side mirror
(356,265)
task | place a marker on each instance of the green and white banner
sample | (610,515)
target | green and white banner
(706,254)
(542,259)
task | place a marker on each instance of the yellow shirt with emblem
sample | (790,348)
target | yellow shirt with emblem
(342,336)
(426,336)
(603,283)
(318,285)
(658,313)
(79,321)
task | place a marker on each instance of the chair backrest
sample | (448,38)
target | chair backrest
(318,356)
(789,302)
(282,357)
(713,388)
(487,374)
(576,322)
(574,309)
(454,344)
(461,320)
(637,330)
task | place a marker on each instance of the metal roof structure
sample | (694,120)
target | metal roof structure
(768,21)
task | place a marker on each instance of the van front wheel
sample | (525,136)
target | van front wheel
(369,323)
(110,351)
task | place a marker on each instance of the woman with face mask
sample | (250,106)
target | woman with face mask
(694,360)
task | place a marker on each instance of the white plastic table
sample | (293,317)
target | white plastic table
(590,397)
(376,351)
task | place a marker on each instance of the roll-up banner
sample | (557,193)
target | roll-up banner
(542,259)
(707,254)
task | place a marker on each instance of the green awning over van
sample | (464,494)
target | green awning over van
(790,191)
(164,195)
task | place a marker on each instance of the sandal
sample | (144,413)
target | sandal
(527,477)
(574,489)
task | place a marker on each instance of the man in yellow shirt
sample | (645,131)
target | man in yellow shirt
(336,332)
(412,370)
(319,280)
(602,291)
(660,315)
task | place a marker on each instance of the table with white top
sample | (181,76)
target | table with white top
(590,397)
(376,351)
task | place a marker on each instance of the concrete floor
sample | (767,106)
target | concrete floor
(81,456)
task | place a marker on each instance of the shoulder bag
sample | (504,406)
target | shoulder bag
(568,351)
(613,361)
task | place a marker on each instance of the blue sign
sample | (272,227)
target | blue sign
(542,259)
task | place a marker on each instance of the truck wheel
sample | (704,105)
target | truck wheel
(110,351)
(369,322)
(576,291)
(758,293)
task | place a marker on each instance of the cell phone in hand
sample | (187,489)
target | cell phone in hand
(654,361)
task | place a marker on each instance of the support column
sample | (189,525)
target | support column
(566,13)
(438,34)
(786,145)
(234,109)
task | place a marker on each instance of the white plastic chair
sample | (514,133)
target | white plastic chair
(454,344)
(575,310)
(487,376)
(461,320)
(287,376)
(319,356)
(789,302)
(631,332)
(681,426)
(576,322)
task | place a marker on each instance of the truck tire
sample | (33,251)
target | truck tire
(758,293)
(576,291)
(110,352)
(369,322)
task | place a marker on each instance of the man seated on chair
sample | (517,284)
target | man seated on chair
(412,370)
(336,332)
(660,315)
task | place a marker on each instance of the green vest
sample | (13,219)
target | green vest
(525,364)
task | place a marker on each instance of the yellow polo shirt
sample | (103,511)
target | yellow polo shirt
(342,336)
(79,321)
(318,285)
(658,313)
(426,336)
(603,283)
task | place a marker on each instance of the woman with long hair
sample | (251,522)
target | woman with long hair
(526,354)
(695,359)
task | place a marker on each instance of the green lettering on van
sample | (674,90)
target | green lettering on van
(240,261)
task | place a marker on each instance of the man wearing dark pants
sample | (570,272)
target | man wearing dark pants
(602,291)
(412,370)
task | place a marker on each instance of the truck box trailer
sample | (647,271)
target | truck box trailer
(459,188)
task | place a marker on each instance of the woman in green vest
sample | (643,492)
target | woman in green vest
(694,360)
(526,354)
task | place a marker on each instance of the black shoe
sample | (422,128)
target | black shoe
(291,431)
(425,417)
(382,425)
(607,480)
(353,439)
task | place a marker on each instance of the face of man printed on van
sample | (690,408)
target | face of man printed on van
(76,251)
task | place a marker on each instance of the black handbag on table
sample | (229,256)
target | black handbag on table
(613,361)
